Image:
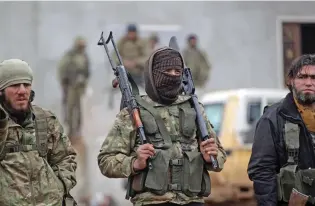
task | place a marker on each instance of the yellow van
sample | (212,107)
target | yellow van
(233,114)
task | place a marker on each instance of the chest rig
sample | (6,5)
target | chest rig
(41,133)
(290,176)
(186,174)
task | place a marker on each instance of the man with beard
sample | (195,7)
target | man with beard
(283,151)
(37,162)
(178,175)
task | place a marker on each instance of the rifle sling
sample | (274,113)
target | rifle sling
(135,89)
(157,117)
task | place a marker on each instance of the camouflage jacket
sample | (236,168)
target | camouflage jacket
(119,151)
(28,179)
(197,61)
(73,69)
(132,50)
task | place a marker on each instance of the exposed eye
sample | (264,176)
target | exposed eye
(178,71)
(16,85)
(26,85)
(305,76)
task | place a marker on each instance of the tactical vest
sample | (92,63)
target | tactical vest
(188,174)
(41,132)
(290,176)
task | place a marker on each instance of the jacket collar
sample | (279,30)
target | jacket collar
(288,109)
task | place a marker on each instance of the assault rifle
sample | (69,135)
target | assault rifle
(123,80)
(189,89)
(297,198)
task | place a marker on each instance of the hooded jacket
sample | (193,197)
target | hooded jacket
(148,77)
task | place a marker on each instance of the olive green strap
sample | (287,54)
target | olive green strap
(291,137)
(19,148)
(41,129)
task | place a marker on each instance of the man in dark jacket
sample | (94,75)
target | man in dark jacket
(283,151)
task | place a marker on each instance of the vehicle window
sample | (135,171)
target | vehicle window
(214,113)
(254,112)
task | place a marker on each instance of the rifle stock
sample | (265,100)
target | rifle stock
(297,198)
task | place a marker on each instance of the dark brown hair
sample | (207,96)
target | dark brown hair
(297,65)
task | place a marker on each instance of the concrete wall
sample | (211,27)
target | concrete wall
(239,37)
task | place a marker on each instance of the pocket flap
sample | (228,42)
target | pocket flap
(149,123)
(192,155)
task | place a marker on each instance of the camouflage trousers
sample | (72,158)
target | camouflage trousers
(72,110)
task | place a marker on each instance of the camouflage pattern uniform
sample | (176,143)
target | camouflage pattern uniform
(27,178)
(196,60)
(118,151)
(74,72)
(133,50)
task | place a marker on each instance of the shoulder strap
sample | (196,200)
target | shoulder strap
(156,116)
(292,141)
(41,129)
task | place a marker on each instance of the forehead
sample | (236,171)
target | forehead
(308,69)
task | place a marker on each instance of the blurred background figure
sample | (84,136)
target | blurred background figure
(74,73)
(153,42)
(196,60)
(134,52)
(132,49)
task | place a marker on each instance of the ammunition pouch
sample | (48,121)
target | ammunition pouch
(187,121)
(157,178)
(290,176)
(151,130)
(302,180)
(196,179)
(187,175)
(305,183)
(286,182)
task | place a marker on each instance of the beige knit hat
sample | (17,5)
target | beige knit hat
(14,71)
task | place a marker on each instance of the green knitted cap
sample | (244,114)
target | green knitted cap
(14,71)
